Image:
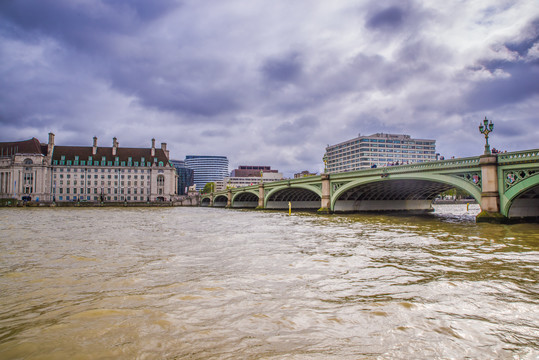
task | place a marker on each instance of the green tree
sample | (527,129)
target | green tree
(208,188)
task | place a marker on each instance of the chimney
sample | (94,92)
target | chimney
(50,146)
(153,147)
(94,148)
(164,148)
(114,146)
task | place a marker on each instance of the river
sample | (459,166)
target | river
(204,283)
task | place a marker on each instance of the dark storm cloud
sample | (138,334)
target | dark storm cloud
(82,25)
(295,131)
(511,128)
(520,83)
(388,18)
(283,69)
(189,87)
(514,80)
(98,32)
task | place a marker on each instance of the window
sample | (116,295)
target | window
(160,180)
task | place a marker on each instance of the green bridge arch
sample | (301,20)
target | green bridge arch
(274,190)
(508,198)
(448,180)
(236,196)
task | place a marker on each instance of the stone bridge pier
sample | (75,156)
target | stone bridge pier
(490,195)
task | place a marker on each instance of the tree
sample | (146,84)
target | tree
(208,188)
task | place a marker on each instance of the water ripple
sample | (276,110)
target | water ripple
(207,283)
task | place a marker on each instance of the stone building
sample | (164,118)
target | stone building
(86,173)
(25,170)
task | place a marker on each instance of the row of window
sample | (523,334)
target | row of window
(101,170)
(103,191)
(383,141)
(104,162)
(379,158)
(96,183)
(381,152)
(68,176)
(105,198)
(362,165)
(396,148)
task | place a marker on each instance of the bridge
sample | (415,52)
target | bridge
(505,185)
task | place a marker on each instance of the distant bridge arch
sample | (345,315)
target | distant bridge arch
(205,201)
(220,200)
(245,199)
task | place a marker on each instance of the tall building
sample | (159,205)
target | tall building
(207,168)
(378,150)
(85,173)
(185,176)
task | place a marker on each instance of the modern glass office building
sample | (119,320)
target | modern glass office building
(185,176)
(378,150)
(207,168)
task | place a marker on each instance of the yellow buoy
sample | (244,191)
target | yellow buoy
(289,208)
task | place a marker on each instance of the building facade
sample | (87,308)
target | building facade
(378,150)
(207,168)
(25,170)
(251,171)
(185,176)
(89,173)
(241,181)
(304,173)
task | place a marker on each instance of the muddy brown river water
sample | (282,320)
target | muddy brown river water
(203,283)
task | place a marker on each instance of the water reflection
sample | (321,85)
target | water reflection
(214,283)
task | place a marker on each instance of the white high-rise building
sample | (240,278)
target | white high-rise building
(378,149)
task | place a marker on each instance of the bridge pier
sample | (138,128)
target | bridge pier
(211,200)
(325,205)
(490,195)
(229,198)
(260,196)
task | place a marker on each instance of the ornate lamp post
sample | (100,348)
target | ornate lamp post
(485,129)
(325,160)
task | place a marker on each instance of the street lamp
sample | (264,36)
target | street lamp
(325,160)
(485,129)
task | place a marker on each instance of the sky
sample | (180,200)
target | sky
(270,82)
